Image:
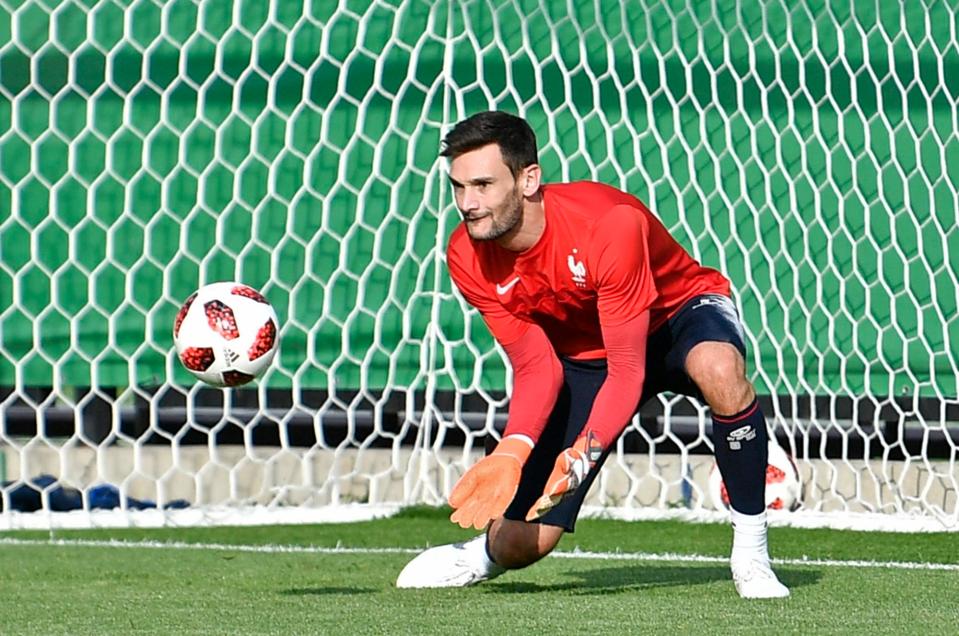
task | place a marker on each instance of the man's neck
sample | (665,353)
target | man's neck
(530,228)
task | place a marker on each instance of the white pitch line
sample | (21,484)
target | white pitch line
(180,545)
(698,558)
(575,554)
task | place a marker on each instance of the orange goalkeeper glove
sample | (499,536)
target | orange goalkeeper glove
(488,487)
(571,468)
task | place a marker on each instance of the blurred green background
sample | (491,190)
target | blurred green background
(808,150)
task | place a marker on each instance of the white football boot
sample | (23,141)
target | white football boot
(752,573)
(453,565)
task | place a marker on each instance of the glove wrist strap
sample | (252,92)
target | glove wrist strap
(517,446)
(589,445)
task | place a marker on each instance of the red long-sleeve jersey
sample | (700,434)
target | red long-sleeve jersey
(604,274)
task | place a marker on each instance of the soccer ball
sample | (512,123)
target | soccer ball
(226,334)
(783,483)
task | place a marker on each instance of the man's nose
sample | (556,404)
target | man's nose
(471,200)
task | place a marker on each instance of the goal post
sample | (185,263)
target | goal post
(807,150)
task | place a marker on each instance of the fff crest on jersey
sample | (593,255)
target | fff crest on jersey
(577,268)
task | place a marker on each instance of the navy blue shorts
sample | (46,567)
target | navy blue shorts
(706,318)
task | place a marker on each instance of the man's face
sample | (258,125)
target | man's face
(487,195)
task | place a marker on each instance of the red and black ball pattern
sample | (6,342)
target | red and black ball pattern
(236,378)
(197,358)
(221,319)
(265,339)
(774,475)
(249,292)
(182,314)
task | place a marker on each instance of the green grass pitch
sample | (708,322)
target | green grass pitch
(237,581)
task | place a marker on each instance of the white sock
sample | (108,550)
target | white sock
(749,535)
(477,548)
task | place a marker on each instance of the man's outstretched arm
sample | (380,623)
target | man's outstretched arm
(613,409)
(488,487)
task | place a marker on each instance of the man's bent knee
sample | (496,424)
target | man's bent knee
(718,369)
(516,544)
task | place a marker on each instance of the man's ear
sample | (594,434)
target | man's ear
(530,179)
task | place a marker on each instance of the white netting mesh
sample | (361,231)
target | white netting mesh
(809,150)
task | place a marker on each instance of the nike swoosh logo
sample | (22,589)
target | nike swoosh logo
(502,289)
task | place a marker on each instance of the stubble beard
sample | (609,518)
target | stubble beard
(502,222)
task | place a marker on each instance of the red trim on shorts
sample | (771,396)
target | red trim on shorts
(739,417)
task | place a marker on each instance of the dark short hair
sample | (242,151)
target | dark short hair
(512,134)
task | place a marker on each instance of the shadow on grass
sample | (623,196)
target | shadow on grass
(323,591)
(630,578)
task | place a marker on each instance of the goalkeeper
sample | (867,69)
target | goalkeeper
(598,309)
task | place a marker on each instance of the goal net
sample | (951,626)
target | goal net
(806,149)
